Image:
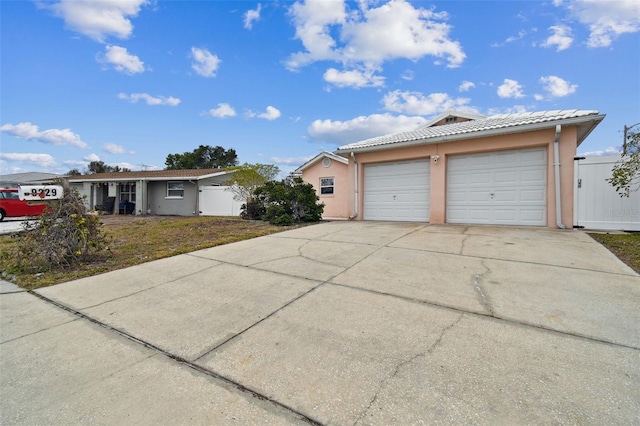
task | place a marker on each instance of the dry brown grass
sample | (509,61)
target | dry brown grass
(139,239)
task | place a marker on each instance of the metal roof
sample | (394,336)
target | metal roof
(489,126)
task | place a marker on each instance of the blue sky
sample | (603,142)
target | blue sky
(128,82)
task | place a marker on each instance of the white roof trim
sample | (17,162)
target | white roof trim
(319,157)
(150,179)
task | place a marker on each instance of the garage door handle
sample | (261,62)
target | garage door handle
(492,194)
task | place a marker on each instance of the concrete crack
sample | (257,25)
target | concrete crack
(401,364)
(478,287)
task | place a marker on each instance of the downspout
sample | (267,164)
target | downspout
(356,197)
(556,165)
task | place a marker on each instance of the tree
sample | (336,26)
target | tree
(625,175)
(246,178)
(74,172)
(203,157)
(102,167)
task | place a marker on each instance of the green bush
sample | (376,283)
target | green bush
(64,235)
(284,203)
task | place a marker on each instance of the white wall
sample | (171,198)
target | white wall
(597,204)
(218,201)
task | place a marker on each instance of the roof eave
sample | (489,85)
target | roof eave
(594,120)
(149,179)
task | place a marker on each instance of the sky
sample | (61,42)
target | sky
(128,82)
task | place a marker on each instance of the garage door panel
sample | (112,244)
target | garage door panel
(533,196)
(397,191)
(507,187)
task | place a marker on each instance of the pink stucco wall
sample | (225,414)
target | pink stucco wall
(336,205)
(540,138)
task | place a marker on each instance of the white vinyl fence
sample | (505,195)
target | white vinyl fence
(217,201)
(597,205)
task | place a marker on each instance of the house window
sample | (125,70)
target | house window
(128,192)
(326,186)
(175,189)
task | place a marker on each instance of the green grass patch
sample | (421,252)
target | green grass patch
(625,246)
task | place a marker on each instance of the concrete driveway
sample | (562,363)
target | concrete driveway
(339,323)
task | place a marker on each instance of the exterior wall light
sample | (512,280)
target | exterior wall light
(435,158)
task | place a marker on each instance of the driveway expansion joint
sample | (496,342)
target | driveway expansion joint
(189,364)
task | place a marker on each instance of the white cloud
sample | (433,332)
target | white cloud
(150,100)
(291,161)
(270,114)
(607,20)
(40,160)
(562,38)
(122,60)
(252,15)
(370,36)
(99,19)
(363,127)
(516,109)
(465,86)
(607,151)
(223,110)
(113,148)
(91,157)
(556,87)
(29,131)
(205,63)
(353,78)
(407,75)
(419,104)
(511,39)
(510,89)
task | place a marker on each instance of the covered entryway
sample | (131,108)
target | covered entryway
(501,187)
(397,191)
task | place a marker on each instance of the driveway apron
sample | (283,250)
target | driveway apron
(336,323)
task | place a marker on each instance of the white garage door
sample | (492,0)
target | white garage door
(503,187)
(397,191)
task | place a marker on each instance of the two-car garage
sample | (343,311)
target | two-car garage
(499,187)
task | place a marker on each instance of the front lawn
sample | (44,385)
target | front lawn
(138,239)
(625,246)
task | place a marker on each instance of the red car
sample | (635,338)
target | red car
(11,206)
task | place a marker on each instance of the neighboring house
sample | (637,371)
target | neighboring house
(29,178)
(508,169)
(327,173)
(159,192)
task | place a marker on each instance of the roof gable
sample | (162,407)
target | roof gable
(319,157)
(500,124)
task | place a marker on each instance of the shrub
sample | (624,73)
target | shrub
(284,203)
(64,235)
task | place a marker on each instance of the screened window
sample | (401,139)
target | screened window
(175,189)
(326,186)
(128,192)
